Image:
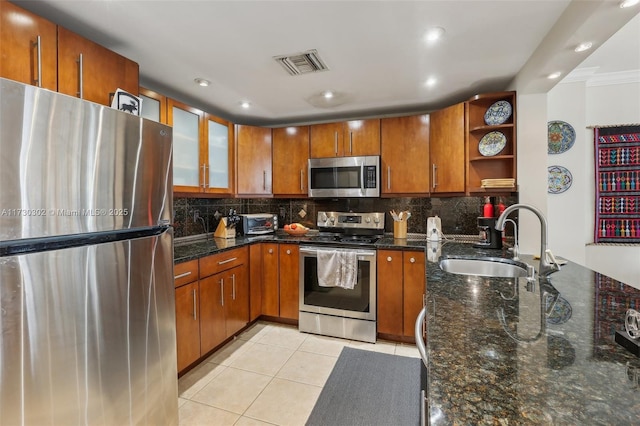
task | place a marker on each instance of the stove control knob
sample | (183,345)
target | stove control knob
(368,219)
(332,219)
(324,217)
(376,219)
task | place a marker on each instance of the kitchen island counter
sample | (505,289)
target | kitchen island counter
(504,351)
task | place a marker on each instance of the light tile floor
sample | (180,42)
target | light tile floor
(270,375)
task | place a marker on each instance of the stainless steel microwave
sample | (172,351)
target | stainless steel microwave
(344,177)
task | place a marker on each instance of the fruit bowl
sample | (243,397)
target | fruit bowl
(297,232)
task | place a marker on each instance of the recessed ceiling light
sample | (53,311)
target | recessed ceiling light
(629,3)
(245,104)
(554,75)
(328,94)
(431,81)
(583,46)
(434,34)
(202,82)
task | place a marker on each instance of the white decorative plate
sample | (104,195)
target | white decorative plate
(560,179)
(498,113)
(492,143)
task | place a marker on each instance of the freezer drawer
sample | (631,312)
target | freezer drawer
(88,335)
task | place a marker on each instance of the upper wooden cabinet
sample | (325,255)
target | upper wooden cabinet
(154,105)
(446,148)
(488,158)
(345,139)
(290,161)
(405,155)
(92,72)
(203,155)
(38,52)
(253,148)
(28,47)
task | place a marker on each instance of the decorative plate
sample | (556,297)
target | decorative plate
(492,143)
(498,113)
(559,179)
(560,311)
(561,137)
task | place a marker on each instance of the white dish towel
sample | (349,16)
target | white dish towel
(337,268)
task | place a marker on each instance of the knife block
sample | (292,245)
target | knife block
(222,231)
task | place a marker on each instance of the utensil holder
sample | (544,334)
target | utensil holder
(400,229)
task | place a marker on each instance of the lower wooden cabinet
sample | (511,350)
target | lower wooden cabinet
(212,302)
(401,286)
(274,269)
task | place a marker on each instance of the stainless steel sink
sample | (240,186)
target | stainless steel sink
(486,267)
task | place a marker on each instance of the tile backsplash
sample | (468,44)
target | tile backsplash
(458,214)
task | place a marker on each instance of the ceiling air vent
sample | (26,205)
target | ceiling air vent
(302,63)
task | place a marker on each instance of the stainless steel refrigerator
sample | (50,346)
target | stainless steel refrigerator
(86,263)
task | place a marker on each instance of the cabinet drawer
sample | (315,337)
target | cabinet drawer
(185,272)
(221,262)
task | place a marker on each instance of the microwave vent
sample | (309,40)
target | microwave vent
(302,63)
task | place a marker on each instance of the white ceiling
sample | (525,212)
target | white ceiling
(375,50)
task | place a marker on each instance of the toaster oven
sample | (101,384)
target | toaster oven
(257,224)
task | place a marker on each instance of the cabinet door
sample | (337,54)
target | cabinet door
(212,316)
(254,160)
(236,299)
(390,292)
(187,325)
(326,140)
(255,281)
(218,152)
(405,155)
(413,289)
(290,160)
(21,57)
(289,281)
(92,72)
(270,288)
(154,106)
(446,140)
(188,164)
(362,137)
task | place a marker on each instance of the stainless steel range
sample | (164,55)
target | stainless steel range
(338,276)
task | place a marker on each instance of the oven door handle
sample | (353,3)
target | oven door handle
(310,250)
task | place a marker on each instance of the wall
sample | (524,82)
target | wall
(571,214)
(458,214)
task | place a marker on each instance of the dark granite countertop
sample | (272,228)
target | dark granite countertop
(496,358)
(529,367)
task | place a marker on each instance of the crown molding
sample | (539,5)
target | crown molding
(591,78)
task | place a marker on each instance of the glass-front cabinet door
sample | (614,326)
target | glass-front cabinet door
(188,168)
(219,155)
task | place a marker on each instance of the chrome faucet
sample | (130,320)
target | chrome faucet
(546,267)
(515,247)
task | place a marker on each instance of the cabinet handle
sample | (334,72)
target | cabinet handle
(185,274)
(195,317)
(434,173)
(264,180)
(288,251)
(80,77)
(412,260)
(388,177)
(38,47)
(270,251)
(389,259)
(222,262)
(301,180)
(336,142)
(221,291)
(204,176)
(350,142)
(233,286)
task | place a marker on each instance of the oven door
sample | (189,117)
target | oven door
(359,302)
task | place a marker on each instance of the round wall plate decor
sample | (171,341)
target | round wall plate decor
(498,113)
(561,136)
(492,143)
(560,179)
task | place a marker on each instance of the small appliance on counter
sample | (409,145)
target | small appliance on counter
(257,224)
(434,229)
(490,237)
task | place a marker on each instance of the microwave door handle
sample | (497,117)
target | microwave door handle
(362,179)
